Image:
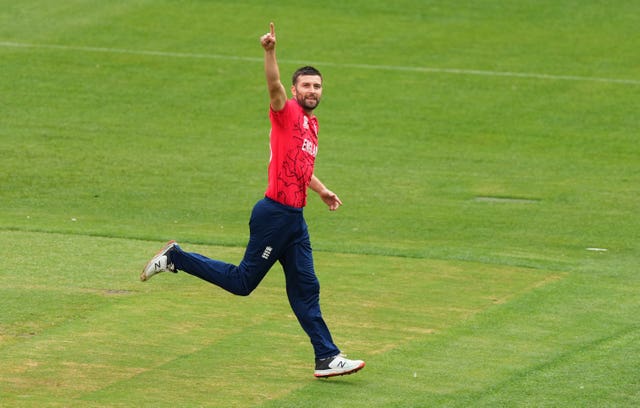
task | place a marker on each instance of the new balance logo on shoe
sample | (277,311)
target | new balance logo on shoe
(337,365)
(160,262)
(267,252)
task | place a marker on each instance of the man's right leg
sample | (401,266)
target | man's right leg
(232,278)
(265,241)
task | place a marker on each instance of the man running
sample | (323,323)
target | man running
(278,231)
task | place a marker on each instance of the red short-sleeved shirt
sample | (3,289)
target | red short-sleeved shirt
(294,145)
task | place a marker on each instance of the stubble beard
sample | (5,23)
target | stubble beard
(308,103)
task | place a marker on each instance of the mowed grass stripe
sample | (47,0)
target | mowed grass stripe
(197,340)
(518,351)
(454,71)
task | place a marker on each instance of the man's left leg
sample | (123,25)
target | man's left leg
(303,290)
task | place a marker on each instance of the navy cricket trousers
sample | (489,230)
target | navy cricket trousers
(277,233)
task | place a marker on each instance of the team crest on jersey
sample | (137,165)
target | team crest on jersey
(305,124)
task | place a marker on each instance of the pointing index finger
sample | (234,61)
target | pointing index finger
(272,29)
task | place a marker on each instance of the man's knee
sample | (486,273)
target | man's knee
(242,291)
(247,284)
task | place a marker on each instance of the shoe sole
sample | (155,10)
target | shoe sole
(165,248)
(355,370)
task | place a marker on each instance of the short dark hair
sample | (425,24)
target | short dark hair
(304,71)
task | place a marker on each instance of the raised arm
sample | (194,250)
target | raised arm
(277,92)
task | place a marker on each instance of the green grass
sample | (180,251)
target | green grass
(458,267)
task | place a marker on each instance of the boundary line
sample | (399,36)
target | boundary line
(455,71)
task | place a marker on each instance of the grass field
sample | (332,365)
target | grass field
(487,154)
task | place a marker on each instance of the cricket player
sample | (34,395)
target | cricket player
(278,231)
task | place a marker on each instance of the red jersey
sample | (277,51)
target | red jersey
(294,145)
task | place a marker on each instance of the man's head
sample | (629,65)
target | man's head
(307,87)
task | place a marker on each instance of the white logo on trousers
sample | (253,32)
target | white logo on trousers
(267,252)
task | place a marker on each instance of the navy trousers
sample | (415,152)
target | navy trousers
(277,233)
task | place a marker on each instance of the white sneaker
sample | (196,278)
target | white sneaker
(337,365)
(159,263)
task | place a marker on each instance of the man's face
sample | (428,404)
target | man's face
(307,91)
